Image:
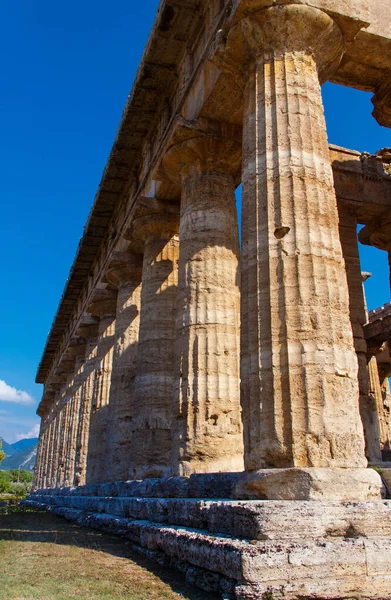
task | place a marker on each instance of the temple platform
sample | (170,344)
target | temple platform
(245,549)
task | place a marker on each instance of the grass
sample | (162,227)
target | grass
(44,557)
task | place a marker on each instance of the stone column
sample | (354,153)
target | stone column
(37,480)
(74,403)
(124,274)
(152,419)
(56,433)
(63,432)
(376,393)
(47,453)
(385,424)
(104,307)
(88,329)
(358,318)
(207,429)
(299,366)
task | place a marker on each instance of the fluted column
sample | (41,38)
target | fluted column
(47,453)
(207,430)
(62,435)
(358,318)
(124,273)
(37,480)
(385,422)
(299,367)
(56,435)
(152,420)
(74,410)
(376,393)
(103,306)
(89,329)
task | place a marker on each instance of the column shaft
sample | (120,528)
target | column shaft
(73,429)
(38,461)
(45,472)
(54,465)
(86,391)
(100,399)
(122,393)
(299,367)
(358,318)
(385,423)
(62,430)
(207,420)
(152,422)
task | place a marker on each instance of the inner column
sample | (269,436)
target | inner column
(207,430)
(103,306)
(152,417)
(88,329)
(125,274)
(358,317)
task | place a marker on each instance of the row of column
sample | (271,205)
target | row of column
(158,391)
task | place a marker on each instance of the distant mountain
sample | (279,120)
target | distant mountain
(24,444)
(24,459)
(8,448)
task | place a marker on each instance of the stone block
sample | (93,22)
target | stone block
(318,484)
(319,550)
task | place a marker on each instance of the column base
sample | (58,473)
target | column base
(316,484)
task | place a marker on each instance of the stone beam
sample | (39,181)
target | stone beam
(362,182)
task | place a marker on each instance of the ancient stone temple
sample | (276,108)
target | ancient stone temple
(217,403)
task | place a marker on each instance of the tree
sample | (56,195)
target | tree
(5,482)
(2,453)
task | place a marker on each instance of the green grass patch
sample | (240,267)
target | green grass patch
(44,557)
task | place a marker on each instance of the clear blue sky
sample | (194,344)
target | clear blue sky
(67,69)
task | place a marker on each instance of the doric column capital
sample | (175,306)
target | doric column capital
(286,27)
(156,220)
(66,366)
(77,346)
(203,146)
(206,153)
(88,327)
(124,268)
(103,303)
(382,103)
(378,232)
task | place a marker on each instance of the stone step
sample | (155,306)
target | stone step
(250,519)
(239,568)
(200,485)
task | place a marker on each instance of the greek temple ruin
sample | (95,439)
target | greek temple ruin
(215,398)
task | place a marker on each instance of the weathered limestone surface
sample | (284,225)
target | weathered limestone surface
(296,332)
(358,316)
(152,422)
(125,275)
(154,392)
(207,431)
(297,549)
(385,421)
(63,431)
(74,409)
(105,308)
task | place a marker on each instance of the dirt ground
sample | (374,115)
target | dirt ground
(43,557)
